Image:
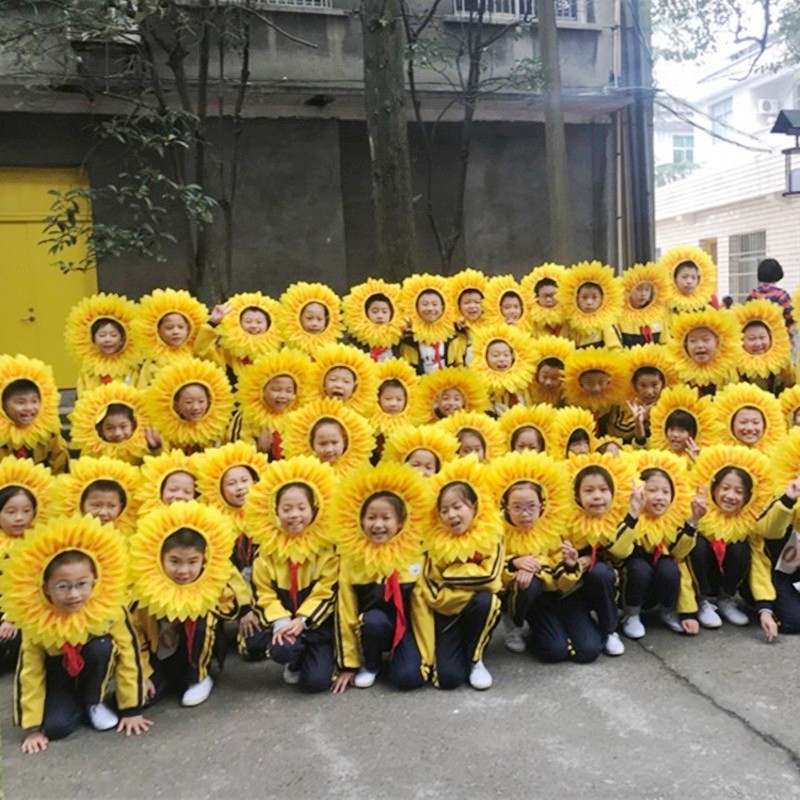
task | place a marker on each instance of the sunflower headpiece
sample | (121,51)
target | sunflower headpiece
(786,459)
(735,397)
(537,468)
(298,428)
(609,311)
(360,365)
(711,461)
(468,280)
(652,275)
(356,320)
(539,315)
(544,348)
(497,288)
(585,529)
(152,588)
(214,464)
(651,356)
(778,355)
(262,508)
(602,392)
(162,395)
(71,487)
(46,422)
(683,398)
(292,303)
(652,530)
(352,494)
(254,378)
(428,332)
(484,533)
(396,369)
(405,441)
(431,386)
(707,271)
(78,334)
(154,472)
(519,374)
(236,340)
(35,478)
(568,421)
(487,428)
(25,603)
(153,308)
(722,364)
(540,417)
(790,404)
(91,409)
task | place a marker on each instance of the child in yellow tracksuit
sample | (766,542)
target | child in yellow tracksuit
(379,515)
(29,422)
(184,587)
(462,575)
(75,568)
(295,573)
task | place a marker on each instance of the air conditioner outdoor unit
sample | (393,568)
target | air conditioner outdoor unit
(768,106)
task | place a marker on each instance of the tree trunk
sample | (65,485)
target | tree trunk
(384,101)
(555,137)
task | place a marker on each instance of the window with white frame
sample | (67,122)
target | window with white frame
(683,149)
(721,116)
(744,253)
(569,10)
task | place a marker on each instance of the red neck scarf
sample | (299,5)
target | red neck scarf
(376,352)
(277,450)
(391,591)
(718,548)
(72,659)
(293,584)
(189,628)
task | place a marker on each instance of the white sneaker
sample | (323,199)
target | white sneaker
(479,677)
(198,692)
(291,676)
(632,627)
(517,638)
(707,615)
(613,645)
(671,620)
(364,678)
(727,607)
(102,717)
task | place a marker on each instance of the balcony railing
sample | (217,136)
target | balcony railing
(571,10)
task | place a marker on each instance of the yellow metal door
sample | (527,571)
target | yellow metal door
(37,296)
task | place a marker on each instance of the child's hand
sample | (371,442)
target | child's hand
(638,411)
(699,506)
(289,632)
(690,626)
(342,681)
(34,742)
(569,554)
(134,726)
(768,624)
(264,441)
(218,313)
(153,438)
(523,578)
(527,564)
(149,689)
(692,450)
(250,624)
(7,632)
(637,499)
(793,489)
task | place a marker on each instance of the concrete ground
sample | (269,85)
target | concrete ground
(713,717)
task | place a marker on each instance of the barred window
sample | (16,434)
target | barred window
(683,149)
(744,253)
(721,116)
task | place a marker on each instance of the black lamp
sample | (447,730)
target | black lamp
(788,122)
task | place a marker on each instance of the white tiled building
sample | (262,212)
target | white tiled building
(733,205)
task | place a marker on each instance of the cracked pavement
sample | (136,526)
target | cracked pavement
(674,717)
